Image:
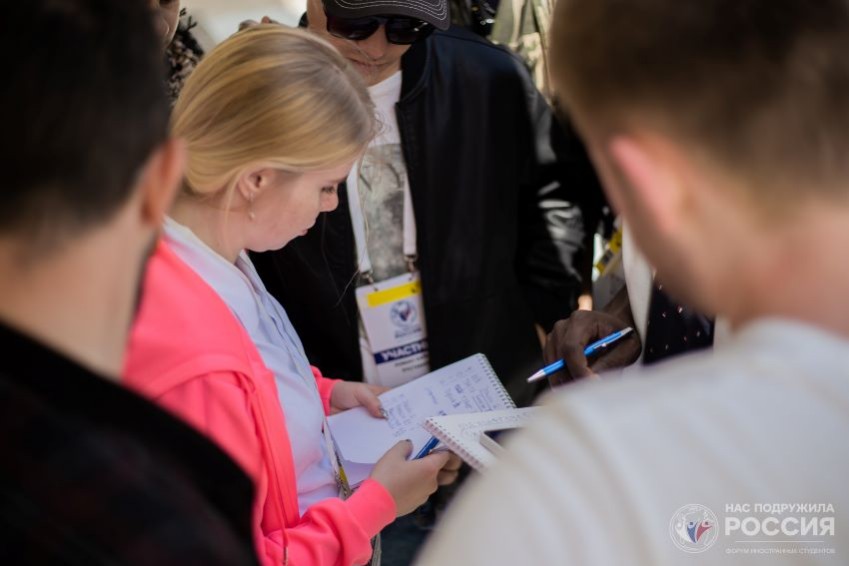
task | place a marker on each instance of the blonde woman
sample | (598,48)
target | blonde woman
(273,120)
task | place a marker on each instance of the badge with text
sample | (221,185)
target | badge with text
(392,312)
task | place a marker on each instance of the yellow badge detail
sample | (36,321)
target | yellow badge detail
(379,298)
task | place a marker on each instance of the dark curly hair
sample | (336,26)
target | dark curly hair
(182,56)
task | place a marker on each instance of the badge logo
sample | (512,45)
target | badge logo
(403,314)
(693,528)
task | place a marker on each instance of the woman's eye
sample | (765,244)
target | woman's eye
(329,190)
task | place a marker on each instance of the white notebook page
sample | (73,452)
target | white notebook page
(467,386)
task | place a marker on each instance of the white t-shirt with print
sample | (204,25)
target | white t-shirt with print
(381,188)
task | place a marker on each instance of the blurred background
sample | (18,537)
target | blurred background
(217,19)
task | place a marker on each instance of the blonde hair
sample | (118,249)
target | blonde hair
(270,96)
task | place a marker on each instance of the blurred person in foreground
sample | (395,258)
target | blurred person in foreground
(91,473)
(721,131)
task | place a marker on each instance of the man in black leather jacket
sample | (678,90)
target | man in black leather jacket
(496,186)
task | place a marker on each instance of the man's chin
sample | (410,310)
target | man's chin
(371,74)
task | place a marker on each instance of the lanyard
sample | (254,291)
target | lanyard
(285,330)
(359,224)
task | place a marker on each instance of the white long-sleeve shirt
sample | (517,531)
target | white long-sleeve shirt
(268,325)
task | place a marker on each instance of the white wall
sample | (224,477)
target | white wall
(217,19)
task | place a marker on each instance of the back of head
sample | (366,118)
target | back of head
(270,96)
(759,86)
(83,106)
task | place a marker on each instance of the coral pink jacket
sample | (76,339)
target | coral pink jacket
(190,354)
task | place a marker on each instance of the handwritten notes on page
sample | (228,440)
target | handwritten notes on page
(468,386)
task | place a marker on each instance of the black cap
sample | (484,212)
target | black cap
(434,12)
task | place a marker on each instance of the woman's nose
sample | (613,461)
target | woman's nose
(329,202)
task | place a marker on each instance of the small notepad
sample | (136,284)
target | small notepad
(467,386)
(461,433)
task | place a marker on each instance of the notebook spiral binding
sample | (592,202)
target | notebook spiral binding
(455,445)
(502,392)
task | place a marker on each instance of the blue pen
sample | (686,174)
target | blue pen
(590,350)
(429,445)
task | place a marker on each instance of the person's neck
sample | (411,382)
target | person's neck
(384,76)
(78,300)
(216,227)
(801,274)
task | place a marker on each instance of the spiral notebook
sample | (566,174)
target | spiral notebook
(462,434)
(467,386)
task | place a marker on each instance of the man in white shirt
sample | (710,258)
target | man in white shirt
(721,132)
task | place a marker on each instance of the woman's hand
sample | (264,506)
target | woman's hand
(348,394)
(449,472)
(410,482)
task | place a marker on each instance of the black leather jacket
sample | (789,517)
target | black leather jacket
(493,183)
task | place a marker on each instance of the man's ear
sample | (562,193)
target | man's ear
(160,180)
(649,182)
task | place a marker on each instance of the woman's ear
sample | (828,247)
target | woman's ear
(252,183)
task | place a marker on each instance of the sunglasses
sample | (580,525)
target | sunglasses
(400,30)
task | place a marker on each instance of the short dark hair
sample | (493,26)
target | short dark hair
(763,85)
(82,107)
